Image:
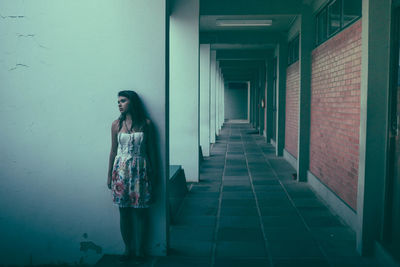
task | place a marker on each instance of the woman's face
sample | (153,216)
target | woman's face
(123,104)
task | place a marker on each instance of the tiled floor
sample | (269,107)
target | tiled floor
(248,211)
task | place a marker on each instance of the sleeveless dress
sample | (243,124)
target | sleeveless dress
(131,185)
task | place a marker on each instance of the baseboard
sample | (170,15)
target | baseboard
(272,141)
(337,205)
(290,158)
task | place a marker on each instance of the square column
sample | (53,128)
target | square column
(184,87)
(217,96)
(213,78)
(305,46)
(373,121)
(269,101)
(221,101)
(205,99)
(281,97)
(262,98)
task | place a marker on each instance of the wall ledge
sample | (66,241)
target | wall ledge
(337,205)
(290,158)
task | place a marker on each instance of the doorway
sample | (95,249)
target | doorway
(236,102)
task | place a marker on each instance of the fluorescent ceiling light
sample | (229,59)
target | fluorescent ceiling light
(243,22)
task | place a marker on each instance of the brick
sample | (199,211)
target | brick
(292,108)
(335,112)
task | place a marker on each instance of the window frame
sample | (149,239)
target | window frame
(328,32)
(293,46)
(324,11)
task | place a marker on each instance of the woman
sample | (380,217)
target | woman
(130,170)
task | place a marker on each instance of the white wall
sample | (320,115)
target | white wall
(184,87)
(235,102)
(205,99)
(61,66)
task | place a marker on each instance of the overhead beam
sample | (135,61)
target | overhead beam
(250,7)
(239,77)
(243,54)
(240,63)
(241,37)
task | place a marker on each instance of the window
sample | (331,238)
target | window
(322,27)
(335,16)
(293,50)
(334,13)
(351,11)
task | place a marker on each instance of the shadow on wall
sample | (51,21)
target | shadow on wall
(177,190)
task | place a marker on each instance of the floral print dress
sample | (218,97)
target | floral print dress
(130,182)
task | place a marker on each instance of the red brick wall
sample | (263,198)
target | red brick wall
(335,112)
(292,108)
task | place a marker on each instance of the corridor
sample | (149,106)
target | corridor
(247,210)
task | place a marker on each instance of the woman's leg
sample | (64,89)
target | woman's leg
(140,230)
(125,223)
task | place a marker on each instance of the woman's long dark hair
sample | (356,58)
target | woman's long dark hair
(135,109)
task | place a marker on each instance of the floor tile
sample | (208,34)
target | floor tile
(188,248)
(301,263)
(239,249)
(239,221)
(240,262)
(294,223)
(295,249)
(244,234)
(173,261)
(239,211)
(194,233)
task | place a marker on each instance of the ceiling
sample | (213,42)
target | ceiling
(242,51)
(279,23)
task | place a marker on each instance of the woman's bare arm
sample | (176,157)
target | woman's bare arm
(113,152)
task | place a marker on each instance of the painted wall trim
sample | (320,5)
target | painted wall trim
(272,141)
(337,205)
(290,158)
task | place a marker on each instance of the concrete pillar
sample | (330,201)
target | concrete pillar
(256,102)
(269,100)
(69,75)
(253,102)
(262,98)
(221,101)
(184,87)
(255,106)
(373,120)
(213,78)
(281,97)
(248,101)
(305,45)
(217,95)
(205,99)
